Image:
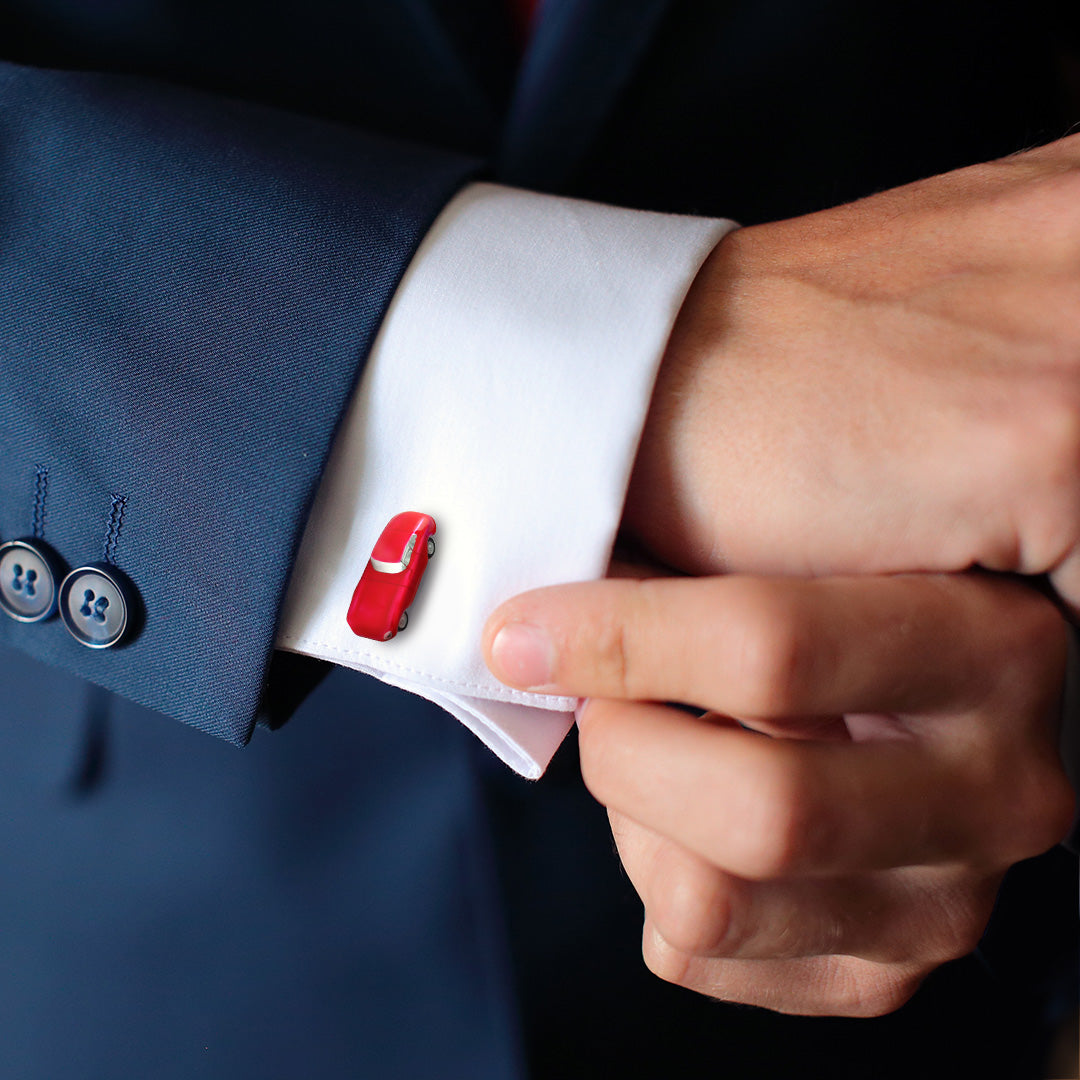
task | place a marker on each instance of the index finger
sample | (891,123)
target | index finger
(774,647)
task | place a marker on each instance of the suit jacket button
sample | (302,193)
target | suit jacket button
(96,605)
(29,571)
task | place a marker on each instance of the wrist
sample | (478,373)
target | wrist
(666,504)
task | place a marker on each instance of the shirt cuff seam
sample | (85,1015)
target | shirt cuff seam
(380,663)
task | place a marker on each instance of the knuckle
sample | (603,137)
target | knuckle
(878,995)
(1030,440)
(693,913)
(1047,808)
(958,923)
(611,652)
(1038,428)
(1030,657)
(1037,806)
(622,641)
(963,937)
(1059,422)
(1047,633)
(664,961)
(776,655)
(783,830)
(859,988)
(1061,815)
(1038,800)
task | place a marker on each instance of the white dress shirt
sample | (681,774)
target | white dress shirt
(505,396)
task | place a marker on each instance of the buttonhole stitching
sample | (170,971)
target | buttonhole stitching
(113,526)
(41,492)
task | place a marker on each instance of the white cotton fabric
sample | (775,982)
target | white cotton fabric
(505,396)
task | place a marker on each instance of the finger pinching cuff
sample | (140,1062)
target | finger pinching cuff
(29,573)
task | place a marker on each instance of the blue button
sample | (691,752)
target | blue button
(29,571)
(96,605)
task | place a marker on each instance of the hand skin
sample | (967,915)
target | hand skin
(827,869)
(888,386)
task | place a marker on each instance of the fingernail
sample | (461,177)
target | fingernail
(523,655)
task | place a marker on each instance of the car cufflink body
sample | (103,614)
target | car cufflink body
(392,576)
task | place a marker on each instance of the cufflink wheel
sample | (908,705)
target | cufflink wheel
(403,621)
(430,546)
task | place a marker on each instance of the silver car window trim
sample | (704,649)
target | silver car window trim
(397,567)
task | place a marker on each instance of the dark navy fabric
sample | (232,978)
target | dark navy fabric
(205,206)
(319,905)
(188,289)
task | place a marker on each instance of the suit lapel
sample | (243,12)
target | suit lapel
(581,56)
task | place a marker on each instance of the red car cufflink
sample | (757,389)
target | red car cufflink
(392,576)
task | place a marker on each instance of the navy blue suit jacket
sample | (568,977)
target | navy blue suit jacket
(205,208)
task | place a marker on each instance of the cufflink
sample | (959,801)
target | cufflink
(392,576)
(29,572)
(97,605)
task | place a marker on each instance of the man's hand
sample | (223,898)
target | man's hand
(829,868)
(892,385)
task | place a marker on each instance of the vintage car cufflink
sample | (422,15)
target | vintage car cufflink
(29,574)
(392,576)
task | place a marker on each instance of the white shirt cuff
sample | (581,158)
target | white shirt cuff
(505,396)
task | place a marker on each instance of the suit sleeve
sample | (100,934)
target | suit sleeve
(188,291)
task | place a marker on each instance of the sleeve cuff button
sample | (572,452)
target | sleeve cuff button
(96,605)
(29,571)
